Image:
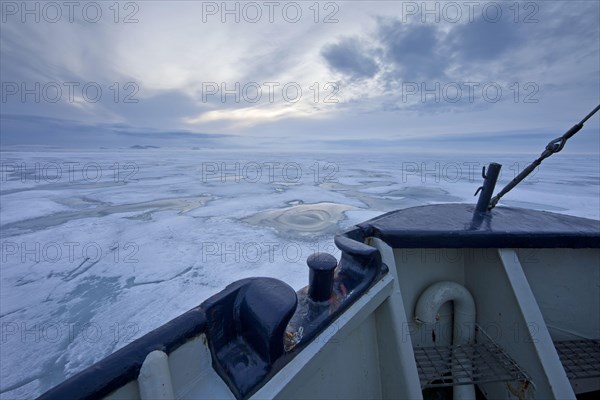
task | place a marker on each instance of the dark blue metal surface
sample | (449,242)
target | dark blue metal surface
(246,327)
(450,226)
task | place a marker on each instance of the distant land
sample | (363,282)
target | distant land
(143,147)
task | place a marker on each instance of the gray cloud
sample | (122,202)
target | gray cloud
(414,50)
(350,58)
(483,40)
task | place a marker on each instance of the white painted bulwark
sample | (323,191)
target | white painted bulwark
(399,376)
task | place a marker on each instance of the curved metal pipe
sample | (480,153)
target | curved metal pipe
(426,312)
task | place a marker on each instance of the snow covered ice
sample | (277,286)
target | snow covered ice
(101,247)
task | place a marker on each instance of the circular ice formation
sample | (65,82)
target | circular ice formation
(303,219)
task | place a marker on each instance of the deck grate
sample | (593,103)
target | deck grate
(480,362)
(580,358)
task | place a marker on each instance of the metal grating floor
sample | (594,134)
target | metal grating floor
(580,358)
(441,366)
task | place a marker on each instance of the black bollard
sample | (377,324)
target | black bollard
(322,267)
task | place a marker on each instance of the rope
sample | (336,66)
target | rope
(553,147)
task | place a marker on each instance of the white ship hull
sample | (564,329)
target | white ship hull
(534,330)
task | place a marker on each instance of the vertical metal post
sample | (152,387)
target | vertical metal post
(487,190)
(322,268)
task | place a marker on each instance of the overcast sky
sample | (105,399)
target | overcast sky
(300,75)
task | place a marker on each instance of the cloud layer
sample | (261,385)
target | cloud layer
(296,73)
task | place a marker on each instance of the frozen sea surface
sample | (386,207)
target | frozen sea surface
(100,247)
